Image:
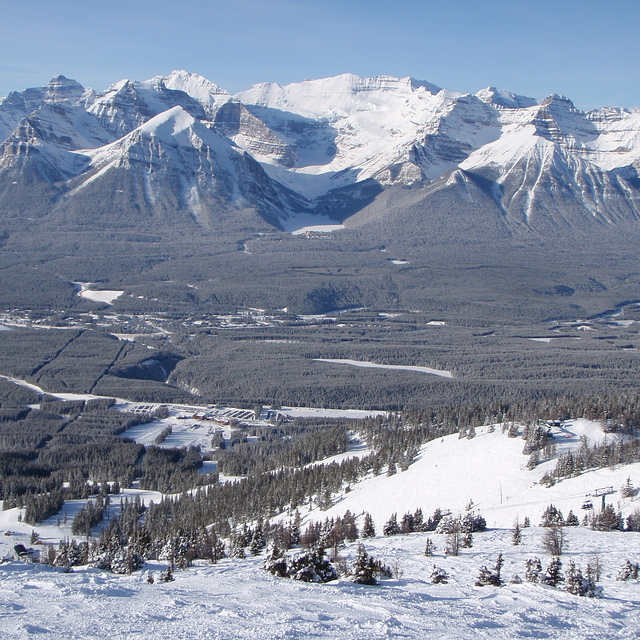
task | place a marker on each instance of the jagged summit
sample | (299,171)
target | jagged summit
(328,141)
(505,99)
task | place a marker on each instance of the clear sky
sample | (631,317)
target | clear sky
(585,49)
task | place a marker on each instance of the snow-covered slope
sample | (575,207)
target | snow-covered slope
(236,599)
(488,471)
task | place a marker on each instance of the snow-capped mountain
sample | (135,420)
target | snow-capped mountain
(184,144)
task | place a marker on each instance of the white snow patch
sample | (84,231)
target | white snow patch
(107,296)
(395,367)
(307,222)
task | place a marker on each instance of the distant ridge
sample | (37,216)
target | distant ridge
(179,149)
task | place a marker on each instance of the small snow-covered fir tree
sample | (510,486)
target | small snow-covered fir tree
(166,575)
(489,577)
(484,577)
(258,542)
(591,575)
(574,582)
(582,585)
(553,575)
(516,534)
(311,566)
(627,490)
(466,540)
(439,576)
(275,561)
(533,570)
(629,571)
(429,547)
(217,547)
(363,568)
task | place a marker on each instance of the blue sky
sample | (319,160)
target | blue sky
(585,49)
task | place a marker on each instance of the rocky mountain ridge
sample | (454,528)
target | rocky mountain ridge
(179,147)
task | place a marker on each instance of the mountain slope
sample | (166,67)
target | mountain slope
(493,164)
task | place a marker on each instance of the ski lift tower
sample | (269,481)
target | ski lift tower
(603,493)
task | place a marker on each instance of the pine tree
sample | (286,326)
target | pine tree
(311,566)
(608,520)
(553,574)
(553,540)
(407,523)
(166,575)
(466,540)
(294,528)
(368,528)
(572,520)
(429,548)
(627,490)
(497,570)
(275,562)
(575,582)
(533,570)
(488,577)
(258,542)
(516,534)
(630,571)
(591,576)
(391,527)
(350,529)
(439,576)
(552,517)
(363,568)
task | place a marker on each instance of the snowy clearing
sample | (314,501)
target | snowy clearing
(396,367)
(307,222)
(106,296)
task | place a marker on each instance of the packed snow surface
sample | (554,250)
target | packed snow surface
(236,600)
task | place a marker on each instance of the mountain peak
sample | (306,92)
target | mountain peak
(499,98)
(168,123)
(556,98)
(63,89)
